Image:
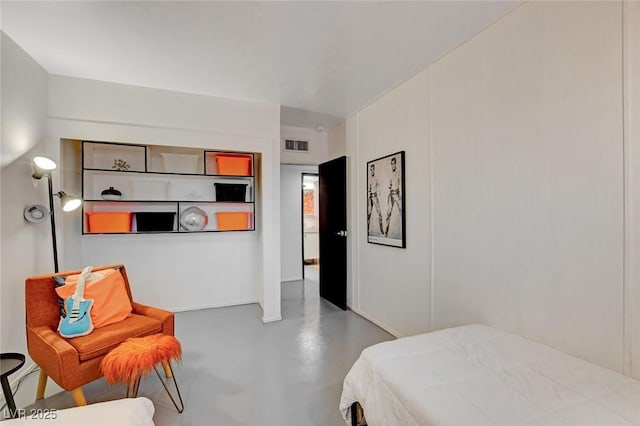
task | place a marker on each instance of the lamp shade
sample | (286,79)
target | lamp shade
(44,163)
(69,202)
(41,166)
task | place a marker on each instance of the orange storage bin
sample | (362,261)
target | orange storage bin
(233,221)
(234,165)
(109,222)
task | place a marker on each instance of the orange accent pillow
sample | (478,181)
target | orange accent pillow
(111,303)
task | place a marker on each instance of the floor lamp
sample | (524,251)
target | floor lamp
(42,167)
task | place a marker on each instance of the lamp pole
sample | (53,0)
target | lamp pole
(53,224)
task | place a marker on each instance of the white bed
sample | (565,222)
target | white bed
(476,375)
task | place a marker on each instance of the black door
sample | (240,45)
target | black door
(333,231)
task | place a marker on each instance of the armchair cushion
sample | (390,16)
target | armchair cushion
(103,339)
(111,303)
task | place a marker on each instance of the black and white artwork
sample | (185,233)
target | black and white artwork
(385,201)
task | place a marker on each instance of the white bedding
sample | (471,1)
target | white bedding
(120,412)
(476,375)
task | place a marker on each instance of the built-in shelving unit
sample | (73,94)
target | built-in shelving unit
(133,189)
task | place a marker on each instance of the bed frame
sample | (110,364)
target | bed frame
(357,415)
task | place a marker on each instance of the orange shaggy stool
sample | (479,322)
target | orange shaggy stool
(137,356)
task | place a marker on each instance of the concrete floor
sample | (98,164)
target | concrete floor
(238,371)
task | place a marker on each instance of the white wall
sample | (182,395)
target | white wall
(354,236)
(516,137)
(337,140)
(391,286)
(291,220)
(318,146)
(25,248)
(527,166)
(178,271)
(632,185)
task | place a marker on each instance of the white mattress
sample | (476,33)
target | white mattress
(476,375)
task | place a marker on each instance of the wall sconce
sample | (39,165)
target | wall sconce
(36,213)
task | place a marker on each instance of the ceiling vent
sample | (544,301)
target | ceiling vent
(293,145)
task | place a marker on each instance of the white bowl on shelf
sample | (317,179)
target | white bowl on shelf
(193,219)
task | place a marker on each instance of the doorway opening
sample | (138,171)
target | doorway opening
(310,226)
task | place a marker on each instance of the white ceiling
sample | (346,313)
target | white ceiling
(321,60)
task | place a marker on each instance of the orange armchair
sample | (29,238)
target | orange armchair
(72,363)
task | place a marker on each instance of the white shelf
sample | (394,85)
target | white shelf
(163,159)
(162,179)
(107,156)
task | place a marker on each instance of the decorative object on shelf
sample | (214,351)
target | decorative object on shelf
(42,167)
(194,219)
(114,156)
(194,195)
(111,194)
(120,165)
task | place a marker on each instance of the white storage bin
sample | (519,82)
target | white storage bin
(179,163)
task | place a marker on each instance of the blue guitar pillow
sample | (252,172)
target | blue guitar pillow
(78,320)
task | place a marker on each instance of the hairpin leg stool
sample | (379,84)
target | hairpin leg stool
(137,356)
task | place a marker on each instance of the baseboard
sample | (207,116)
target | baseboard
(226,305)
(271,319)
(383,326)
(215,305)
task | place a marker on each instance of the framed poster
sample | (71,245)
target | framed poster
(308,202)
(385,201)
